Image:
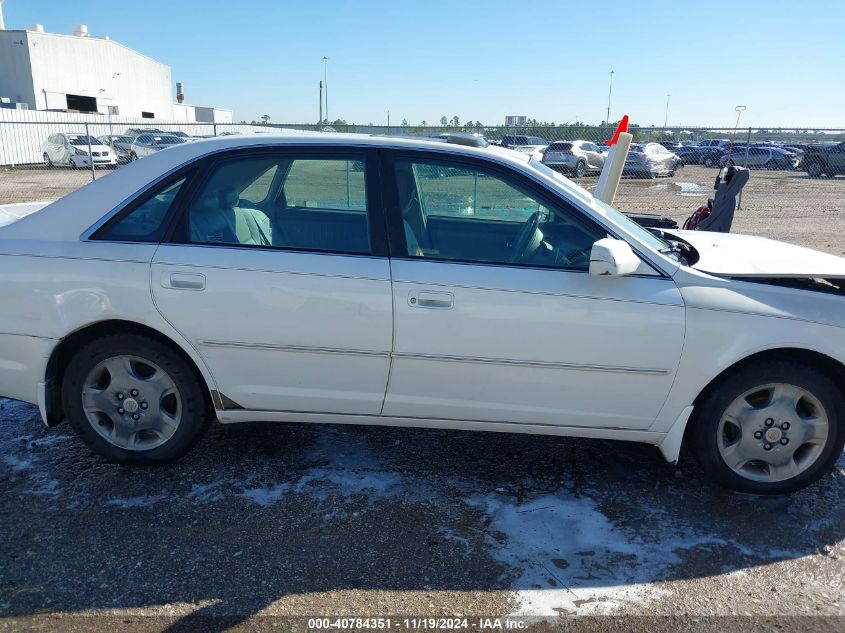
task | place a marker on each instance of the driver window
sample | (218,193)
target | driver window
(456,213)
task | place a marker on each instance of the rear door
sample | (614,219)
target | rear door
(498,323)
(277,274)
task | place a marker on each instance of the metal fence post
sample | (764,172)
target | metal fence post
(90,155)
(215,128)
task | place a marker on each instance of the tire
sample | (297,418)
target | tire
(814,169)
(47,160)
(580,169)
(772,165)
(165,392)
(708,161)
(133,157)
(713,437)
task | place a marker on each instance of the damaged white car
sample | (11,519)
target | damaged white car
(369,280)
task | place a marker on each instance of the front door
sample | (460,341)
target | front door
(496,317)
(275,277)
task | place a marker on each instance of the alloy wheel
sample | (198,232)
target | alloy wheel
(132,403)
(773,432)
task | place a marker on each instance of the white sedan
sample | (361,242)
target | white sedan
(371,280)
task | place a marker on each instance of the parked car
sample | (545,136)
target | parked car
(240,279)
(826,159)
(120,145)
(721,143)
(147,144)
(766,157)
(73,150)
(514,140)
(698,155)
(574,157)
(650,160)
(137,131)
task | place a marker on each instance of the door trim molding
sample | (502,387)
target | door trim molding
(294,348)
(514,362)
(534,363)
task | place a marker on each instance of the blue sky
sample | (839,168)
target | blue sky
(483,60)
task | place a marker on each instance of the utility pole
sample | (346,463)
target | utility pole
(666,117)
(609,93)
(320,120)
(326,84)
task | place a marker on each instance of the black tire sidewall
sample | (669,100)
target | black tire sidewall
(703,434)
(195,415)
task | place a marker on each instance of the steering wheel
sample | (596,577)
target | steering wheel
(524,237)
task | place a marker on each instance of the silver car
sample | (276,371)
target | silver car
(146,144)
(575,157)
(765,157)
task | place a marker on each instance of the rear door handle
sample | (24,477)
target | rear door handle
(183,281)
(425,299)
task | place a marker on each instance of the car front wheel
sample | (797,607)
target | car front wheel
(771,428)
(134,400)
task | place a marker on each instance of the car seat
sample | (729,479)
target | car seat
(718,215)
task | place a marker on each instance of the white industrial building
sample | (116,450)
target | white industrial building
(80,72)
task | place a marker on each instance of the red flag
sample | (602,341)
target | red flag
(622,127)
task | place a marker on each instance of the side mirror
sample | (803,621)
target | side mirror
(612,257)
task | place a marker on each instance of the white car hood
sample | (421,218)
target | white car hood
(736,255)
(13,212)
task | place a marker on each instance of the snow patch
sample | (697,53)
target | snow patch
(135,502)
(570,558)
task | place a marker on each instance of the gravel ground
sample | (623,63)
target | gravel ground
(279,520)
(263,521)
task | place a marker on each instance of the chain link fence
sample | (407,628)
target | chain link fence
(795,192)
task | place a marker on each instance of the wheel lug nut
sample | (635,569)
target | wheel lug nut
(769,422)
(785,426)
(120,396)
(767,446)
(144,406)
(758,434)
(135,416)
(784,440)
(134,392)
(121,411)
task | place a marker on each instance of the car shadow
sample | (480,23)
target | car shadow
(289,518)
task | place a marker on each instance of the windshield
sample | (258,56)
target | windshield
(615,216)
(82,140)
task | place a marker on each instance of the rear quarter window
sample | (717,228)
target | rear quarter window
(146,220)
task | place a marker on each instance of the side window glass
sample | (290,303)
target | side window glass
(283,202)
(471,215)
(145,223)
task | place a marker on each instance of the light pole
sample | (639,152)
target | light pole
(609,93)
(666,117)
(326,85)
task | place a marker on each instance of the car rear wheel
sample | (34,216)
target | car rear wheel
(771,428)
(580,169)
(47,160)
(133,157)
(708,161)
(134,400)
(814,170)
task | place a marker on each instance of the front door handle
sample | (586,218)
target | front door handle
(424,299)
(183,281)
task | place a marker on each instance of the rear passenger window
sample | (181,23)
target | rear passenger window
(146,221)
(313,204)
